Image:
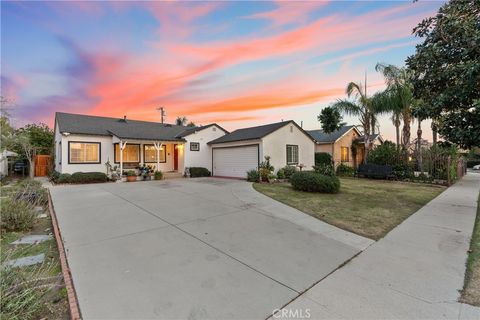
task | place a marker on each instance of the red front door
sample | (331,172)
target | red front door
(175,157)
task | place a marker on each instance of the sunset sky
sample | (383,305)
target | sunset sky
(235,63)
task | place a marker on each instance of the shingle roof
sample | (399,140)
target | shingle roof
(191,130)
(129,129)
(251,133)
(321,137)
(372,137)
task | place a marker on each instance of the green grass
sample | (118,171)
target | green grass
(471,289)
(370,208)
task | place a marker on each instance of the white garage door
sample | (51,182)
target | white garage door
(234,161)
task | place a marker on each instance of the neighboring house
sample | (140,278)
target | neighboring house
(4,155)
(85,143)
(285,142)
(339,144)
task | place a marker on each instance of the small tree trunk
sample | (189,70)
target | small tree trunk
(419,146)
(397,132)
(31,171)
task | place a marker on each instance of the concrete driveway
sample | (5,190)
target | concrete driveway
(191,249)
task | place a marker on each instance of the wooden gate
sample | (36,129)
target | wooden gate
(42,163)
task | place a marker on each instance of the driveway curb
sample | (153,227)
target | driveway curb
(67,277)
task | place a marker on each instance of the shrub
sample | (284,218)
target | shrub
(54,175)
(17,215)
(253,175)
(289,171)
(266,164)
(325,169)
(158,175)
(33,192)
(199,172)
(88,177)
(313,182)
(264,173)
(64,178)
(281,173)
(387,153)
(131,173)
(345,170)
(322,158)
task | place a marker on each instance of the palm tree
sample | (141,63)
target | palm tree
(387,102)
(181,121)
(400,90)
(361,107)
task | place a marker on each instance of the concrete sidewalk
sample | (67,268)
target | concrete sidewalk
(415,272)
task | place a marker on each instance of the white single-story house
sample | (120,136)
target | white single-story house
(85,143)
(286,143)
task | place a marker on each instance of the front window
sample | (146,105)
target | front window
(194,146)
(84,152)
(150,153)
(131,153)
(292,154)
(344,154)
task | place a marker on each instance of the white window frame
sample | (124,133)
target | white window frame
(294,154)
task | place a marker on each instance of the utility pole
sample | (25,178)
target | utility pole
(162,113)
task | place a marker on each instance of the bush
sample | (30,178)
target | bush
(64,178)
(131,173)
(266,164)
(387,153)
(17,215)
(199,172)
(289,171)
(325,169)
(313,182)
(323,158)
(54,175)
(158,175)
(253,175)
(88,177)
(281,173)
(345,170)
(264,173)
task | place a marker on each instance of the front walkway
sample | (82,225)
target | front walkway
(415,272)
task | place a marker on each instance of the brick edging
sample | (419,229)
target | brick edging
(67,277)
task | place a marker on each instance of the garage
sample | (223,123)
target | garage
(234,161)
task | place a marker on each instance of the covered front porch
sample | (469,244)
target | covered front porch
(165,156)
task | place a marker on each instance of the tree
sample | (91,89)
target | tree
(330,119)
(398,97)
(6,128)
(191,124)
(40,136)
(446,70)
(21,143)
(360,106)
(181,121)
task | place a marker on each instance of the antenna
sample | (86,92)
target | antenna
(163,113)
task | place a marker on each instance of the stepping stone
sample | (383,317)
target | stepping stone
(38,209)
(32,239)
(43,215)
(25,261)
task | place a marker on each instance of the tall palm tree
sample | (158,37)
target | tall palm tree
(401,91)
(359,105)
(387,102)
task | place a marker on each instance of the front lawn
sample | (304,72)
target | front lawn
(471,290)
(370,208)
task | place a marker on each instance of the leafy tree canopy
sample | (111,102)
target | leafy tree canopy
(330,118)
(39,136)
(446,71)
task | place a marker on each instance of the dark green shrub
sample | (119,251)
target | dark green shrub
(387,153)
(289,171)
(266,164)
(345,170)
(158,175)
(17,215)
(325,169)
(281,173)
(88,177)
(54,175)
(313,182)
(64,178)
(131,173)
(199,172)
(253,175)
(322,158)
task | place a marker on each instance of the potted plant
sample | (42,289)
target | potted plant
(158,175)
(131,176)
(146,172)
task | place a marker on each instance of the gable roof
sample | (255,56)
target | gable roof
(191,130)
(373,137)
(321,137)
(252,133)
(123,129)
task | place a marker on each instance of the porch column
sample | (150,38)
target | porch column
(122,146)
(158,146)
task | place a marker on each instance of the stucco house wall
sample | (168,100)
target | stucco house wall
(344,141)
(203,157)
(275,146)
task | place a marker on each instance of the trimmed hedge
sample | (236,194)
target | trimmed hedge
(87,177)
(313,182)
(323,158)
(199,172)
